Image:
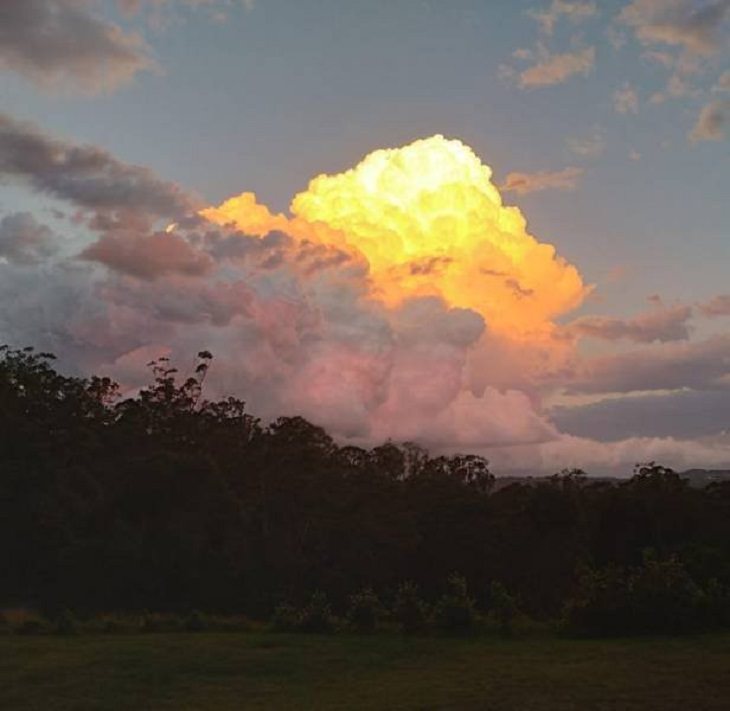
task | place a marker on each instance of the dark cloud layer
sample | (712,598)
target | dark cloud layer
(692,25)
(86,176)
(52,42)
(23,240)
(680,414)
(660,324)
(670,366)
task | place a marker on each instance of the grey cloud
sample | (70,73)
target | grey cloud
(148,256)
(695,26)
(719,306)
(589,146)
(558,68)
(696,365)
(660,324)
(575,10)
(626,100)
(429,319)
(523,183)
(23,240)
(53,42)
(86,176)
(679,414)
(711,122)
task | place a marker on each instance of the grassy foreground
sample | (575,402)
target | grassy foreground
(269,671)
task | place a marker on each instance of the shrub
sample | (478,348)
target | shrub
(316,617)
(66,623)
(285,618)
(602,602)
(657,597)
(115,624)
(157,622)
(409,611)
(503,608)
(455,611)
(715,604)
(229,623)
(33,625)
(196,622)
(364,610)
(664,598)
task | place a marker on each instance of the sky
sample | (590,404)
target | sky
(518,245)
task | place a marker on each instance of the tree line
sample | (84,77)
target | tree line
(166,501)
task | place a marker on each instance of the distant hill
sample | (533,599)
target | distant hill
(703,477)
(698,478)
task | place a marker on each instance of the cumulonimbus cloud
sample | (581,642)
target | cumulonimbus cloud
(399,299)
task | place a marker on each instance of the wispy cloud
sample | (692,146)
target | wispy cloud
(626,100)
(712,122)
(694,26)
(554,69)
(575,11)
(660,324)
(588,146)
(718,306)
(523,183)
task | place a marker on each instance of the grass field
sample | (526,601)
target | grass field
(269,671)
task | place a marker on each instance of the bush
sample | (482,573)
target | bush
(503,608)
(409,611)
(229,623)
(66,624)
(157,622)
(602,602)
(664,597)
(455,611)
(316,617)
(364,611)
(285,618)
(114,624)
(715,604)
(196,622)
(657,597)
(33,625)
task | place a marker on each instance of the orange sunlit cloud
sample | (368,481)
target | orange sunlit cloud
(430,222)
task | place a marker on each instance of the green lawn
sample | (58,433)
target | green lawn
(269,671)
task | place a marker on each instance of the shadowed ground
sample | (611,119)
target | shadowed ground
(260,670)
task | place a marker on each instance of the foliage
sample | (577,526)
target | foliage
(196,622)
(409,611)
(503,607)
(316,617)
(455,611)
(658,596)
(163,500)
(364,610)
(66,623)
(286,618)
